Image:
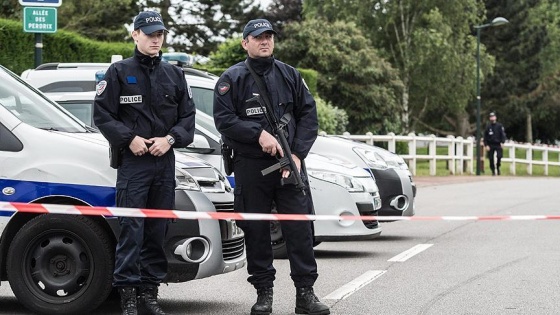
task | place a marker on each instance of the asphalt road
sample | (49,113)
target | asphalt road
(463,267)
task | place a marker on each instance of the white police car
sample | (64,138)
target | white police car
(62,264)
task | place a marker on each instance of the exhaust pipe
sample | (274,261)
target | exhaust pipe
(399,202)
(194,250)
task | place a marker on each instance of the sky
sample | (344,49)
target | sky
(264,3)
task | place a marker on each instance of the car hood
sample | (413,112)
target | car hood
(333,164)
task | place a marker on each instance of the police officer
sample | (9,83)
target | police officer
(494,138)
(144,107)
(245,129)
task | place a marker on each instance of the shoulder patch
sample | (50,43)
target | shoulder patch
(223,88)
(100,88)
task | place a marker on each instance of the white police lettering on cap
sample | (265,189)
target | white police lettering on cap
(131,99)
(261,24)
(152,19)
(254,111)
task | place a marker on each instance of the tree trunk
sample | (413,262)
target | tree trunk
(405,109)
(529,131)
(463,125)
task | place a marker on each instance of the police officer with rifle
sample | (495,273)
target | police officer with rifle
(266,114)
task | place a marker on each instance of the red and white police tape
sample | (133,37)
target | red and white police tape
(12,207)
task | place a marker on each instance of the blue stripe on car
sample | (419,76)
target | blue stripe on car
(28,191)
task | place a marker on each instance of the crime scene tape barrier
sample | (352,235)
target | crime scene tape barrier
(8,208)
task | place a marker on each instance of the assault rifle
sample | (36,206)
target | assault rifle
(279,131)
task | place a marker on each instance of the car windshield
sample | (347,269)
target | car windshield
(33,108)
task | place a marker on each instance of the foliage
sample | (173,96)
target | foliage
(18,54)
(282,12)
(525,89)
(332,120)
(96,19)
(430,42)
(227,54)
(351,74)
(199,26)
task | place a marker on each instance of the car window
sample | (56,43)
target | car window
(68,86)
(203,99)
(83,110)
(31,107)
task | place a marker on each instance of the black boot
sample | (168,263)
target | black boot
(264,302)
(128,300)
(148,300)
(308,303)
(498,169)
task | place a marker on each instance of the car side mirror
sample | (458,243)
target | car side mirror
(199,145)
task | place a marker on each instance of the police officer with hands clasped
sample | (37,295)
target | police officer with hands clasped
(494,138)
(245,129)
(144,108)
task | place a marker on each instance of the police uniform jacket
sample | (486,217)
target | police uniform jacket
(494,134)
(241,123)
(142,96)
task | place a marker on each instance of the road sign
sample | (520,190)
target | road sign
(41,3)
(39,20)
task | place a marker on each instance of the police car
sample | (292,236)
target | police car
(62,264)
(338,188)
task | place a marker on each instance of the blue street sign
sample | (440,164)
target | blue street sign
(41,3)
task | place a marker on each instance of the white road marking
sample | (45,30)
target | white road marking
(404,256)
(354,285)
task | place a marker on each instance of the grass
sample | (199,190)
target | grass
(423,166)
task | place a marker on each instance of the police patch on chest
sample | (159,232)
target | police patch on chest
(131,99)
(254,111)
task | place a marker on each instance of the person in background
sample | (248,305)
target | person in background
(494,138)
(144,107)
(244,128)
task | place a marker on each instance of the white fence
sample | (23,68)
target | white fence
(460,155)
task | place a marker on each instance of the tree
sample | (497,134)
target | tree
(227,54)
(282,12)
(199,26)
(352,75)
(524,89)
(430,42)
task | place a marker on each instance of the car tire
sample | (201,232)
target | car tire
(61,264)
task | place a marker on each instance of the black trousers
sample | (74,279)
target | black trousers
(143,182)
(255,193)
(495,149)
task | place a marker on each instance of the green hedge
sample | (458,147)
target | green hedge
(17,48)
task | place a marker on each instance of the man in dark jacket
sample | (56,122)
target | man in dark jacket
(494,138)
(144,108)
(244,128)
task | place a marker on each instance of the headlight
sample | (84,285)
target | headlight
(396,161)
(348,182)
(371,158)
(185,181)
(368,183)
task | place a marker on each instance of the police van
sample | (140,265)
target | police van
(63,264)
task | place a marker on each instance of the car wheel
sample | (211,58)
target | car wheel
(61,264)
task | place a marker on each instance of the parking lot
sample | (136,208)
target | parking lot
(459,267)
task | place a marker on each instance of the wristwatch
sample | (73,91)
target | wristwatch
(170,139)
